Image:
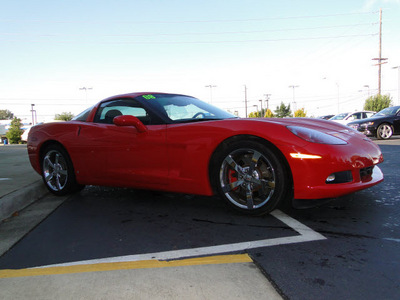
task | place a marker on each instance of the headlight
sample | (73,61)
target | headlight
(368,124)
(315,136)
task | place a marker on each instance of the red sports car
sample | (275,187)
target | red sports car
(180,144)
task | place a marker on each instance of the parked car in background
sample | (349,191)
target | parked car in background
(345,118)
(24,136)
(326,117)
(382,125)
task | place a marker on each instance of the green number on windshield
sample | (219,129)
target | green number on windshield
(148,97)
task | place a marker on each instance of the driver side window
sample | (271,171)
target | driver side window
(109,110)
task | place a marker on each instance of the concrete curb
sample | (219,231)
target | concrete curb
(19,199)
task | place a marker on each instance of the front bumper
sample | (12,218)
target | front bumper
(357,160)
(337,190)
(366,130)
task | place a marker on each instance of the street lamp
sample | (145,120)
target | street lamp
(211,87)
(367,86)
(34,116)
(267,100)
(398,84)
(256,106)
(294,102)
(85,89)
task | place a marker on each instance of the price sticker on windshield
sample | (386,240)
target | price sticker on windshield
(148,97)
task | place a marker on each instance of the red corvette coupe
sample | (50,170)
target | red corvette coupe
(178,143)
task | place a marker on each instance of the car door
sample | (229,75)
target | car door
(125,156)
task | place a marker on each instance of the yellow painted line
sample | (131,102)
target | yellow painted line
(144,264)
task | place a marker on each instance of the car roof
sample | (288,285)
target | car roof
(137,94)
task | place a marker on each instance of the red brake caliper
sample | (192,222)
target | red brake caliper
(232,175)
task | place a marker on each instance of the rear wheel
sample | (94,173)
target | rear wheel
(58,172)
(384,132)
(250,177)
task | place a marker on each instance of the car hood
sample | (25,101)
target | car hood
(333,128)
(317,124)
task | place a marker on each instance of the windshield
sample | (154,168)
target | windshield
(339,116)
(390,111)
(179,108)
(83,115)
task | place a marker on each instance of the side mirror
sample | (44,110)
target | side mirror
(128,120)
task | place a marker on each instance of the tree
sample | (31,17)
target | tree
(14,132)
(254,114)
(377,102)
(268,114)
(283,111)
(300,113)
(65,116)
(5,114)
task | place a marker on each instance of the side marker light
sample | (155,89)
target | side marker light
(305,156)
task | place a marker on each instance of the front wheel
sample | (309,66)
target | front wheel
(58,172)
(251,177)
(384,132)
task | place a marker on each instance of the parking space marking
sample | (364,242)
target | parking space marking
(305,234)
(128,265)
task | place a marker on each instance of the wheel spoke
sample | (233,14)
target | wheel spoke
(57,159)
(48,161)
(58,183)
(49,177)
(63,172)
(234,165)
(254,161)
(249,197)
(255,181)
(229,187)
(271,184)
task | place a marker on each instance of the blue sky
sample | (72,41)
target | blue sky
(51,49)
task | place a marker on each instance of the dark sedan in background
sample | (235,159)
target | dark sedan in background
(382,125)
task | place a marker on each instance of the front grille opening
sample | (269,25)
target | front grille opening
(366,173)
(339,177)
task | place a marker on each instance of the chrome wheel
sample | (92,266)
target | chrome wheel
(58,171)
(247,178)
(55,170)
(384,131)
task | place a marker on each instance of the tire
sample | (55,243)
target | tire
(250,177)
(58,172)
(384,131)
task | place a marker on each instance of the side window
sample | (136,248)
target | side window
(357,116)
(369,114)
(109,110)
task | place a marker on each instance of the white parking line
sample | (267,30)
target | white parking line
(306,234)
(3,179)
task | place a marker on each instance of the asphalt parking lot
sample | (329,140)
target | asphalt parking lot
(344,249)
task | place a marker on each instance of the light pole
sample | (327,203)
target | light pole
(267,100)
(398,83)
(256,106)
(211,87)
(294,102)
(85,89)
(338,94)
(33,114)
(245,100)
(261,113)
(367,86)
